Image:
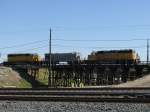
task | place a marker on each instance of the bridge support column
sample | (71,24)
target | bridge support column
(132,74)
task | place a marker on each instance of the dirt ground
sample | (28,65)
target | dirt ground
(141,82)
(10,78)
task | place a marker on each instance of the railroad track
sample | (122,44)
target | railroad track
(77,94)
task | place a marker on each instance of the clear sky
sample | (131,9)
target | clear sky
(26,21)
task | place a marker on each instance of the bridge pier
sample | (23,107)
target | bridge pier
(124,76)
(118,75)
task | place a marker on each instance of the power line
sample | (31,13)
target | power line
(92,47)
(58,45)
(74,40)
(58,39)
(36,48)
(22,45)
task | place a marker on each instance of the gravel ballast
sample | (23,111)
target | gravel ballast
(26,106)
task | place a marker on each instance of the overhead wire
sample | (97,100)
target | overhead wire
(33,48)
(142,46)
(60,45)
(25,44)
(92,47)
(59,39)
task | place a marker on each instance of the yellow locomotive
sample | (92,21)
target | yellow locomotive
(115,56)
(25,58)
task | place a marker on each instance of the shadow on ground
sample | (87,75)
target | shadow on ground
(35,83)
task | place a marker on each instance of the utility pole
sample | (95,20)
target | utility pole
(50,65)
(147,50)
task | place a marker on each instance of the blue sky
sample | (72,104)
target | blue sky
(25,21)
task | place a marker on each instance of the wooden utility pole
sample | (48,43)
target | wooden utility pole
(147,50)
(50,65)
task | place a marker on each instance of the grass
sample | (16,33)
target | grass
(19,84)
(24,84)
(43,76)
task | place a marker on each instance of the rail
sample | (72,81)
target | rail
(77,94)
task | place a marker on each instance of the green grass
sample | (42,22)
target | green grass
(19,84)
(43,76)
(24,84)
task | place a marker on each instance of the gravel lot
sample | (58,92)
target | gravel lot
(18,106)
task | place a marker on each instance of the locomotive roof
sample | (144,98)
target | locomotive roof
(116,51)
(26,54)
(72,53)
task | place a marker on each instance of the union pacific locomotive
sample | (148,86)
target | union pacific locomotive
(23,58)
(128,56)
